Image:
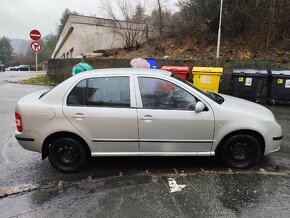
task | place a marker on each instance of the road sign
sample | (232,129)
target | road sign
(35,47)
(35,35)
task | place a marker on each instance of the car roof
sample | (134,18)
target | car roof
(123,71)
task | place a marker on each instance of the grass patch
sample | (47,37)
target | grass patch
(39,80)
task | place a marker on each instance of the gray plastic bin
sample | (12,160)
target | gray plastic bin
(250,84)
(279,87)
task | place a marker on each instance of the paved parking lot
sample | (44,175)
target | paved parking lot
(138,187)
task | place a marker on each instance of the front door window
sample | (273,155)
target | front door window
(160,94)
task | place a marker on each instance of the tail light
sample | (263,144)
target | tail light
(18,122)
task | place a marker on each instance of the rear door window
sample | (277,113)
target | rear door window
(109,91)
(101,92)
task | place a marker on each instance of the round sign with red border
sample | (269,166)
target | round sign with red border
(35,35)
(35,47)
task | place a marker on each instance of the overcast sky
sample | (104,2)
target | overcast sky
(19,17)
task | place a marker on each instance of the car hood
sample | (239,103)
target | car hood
(247,107)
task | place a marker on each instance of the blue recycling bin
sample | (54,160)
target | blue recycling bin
(152,62)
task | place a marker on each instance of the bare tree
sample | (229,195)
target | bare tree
(257,22)
(129,24)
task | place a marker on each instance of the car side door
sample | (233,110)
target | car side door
(168,123)
(103,109)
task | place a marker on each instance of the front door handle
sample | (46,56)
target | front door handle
(147,118)
(79,116)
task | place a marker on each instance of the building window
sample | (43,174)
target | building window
(71,53)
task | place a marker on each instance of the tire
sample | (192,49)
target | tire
(240,151)
(68,155)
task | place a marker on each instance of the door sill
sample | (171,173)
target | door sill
(113,154)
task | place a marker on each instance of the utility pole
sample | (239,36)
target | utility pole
(160,18)
(219,32)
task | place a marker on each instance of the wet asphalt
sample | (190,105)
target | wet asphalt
(137,187)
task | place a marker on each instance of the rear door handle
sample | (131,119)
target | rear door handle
(147,118)
(79,116)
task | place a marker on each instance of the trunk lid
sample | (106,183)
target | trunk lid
(34,96)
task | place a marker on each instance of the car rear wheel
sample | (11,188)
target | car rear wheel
(67,155)
(240,151)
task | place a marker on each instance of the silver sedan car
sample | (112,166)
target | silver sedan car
(141,112)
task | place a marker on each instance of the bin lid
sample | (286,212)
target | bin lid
(85,66)
(81,67)
(281,72)
(152,62)
(208,69)
(250,71)
(179,69)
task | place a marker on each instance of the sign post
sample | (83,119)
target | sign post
(36,64)
(35,46)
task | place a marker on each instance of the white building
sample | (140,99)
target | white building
(82,35)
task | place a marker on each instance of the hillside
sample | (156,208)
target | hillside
(186,49)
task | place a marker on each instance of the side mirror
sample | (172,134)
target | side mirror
(199,107)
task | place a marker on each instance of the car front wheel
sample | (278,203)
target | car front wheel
(67,155)
(240,151)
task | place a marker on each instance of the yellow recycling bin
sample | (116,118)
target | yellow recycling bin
(207,78)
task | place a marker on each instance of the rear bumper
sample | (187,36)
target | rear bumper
(24,139)
(29,140)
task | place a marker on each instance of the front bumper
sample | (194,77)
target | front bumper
(273,139)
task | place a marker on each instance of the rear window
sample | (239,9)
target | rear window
(78,96)
(44,93)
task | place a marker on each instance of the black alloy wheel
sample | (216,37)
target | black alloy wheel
(67,155)
(240,151)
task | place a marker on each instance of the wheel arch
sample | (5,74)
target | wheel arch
(57,135)
(253,133)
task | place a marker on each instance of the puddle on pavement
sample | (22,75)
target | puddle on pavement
(203,195)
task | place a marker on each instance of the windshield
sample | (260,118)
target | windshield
(213,96)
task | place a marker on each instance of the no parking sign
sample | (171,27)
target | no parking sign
(36,46)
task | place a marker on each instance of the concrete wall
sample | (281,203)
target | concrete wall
(90,38)
(59,69)
(86,34)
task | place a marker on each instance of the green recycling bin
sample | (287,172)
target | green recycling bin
(81,67)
